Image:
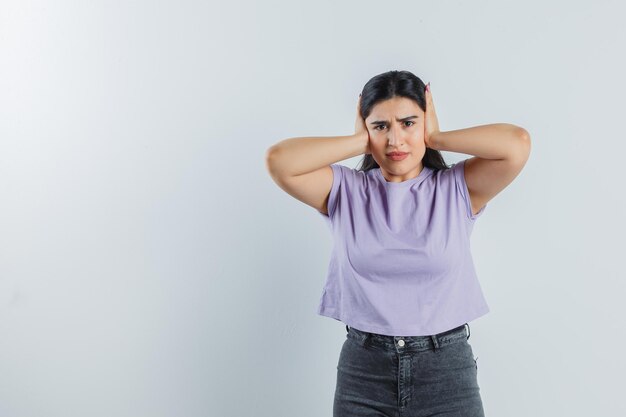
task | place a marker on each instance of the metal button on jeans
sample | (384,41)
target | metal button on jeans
(400,342)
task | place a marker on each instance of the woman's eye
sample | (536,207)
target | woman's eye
(408,121)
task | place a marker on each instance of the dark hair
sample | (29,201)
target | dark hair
(396,84)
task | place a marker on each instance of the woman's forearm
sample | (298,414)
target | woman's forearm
(297,156)
(493,141)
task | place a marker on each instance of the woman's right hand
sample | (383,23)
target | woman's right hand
(360,129)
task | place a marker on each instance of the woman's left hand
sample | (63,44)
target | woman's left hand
(431,124)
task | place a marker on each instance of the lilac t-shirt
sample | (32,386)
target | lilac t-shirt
(401,263)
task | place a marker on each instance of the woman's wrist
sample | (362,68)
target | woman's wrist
(363,140)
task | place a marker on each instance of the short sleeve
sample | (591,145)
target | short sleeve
(458,170)
(334,191)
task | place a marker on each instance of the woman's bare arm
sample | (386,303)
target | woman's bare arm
(301,166)
(297,156)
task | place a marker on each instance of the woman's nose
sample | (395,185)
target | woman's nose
(392,140)
(392,137)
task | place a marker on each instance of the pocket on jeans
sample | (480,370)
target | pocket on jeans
(468,353)
(474,358)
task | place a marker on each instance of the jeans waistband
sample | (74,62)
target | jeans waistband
(410,343)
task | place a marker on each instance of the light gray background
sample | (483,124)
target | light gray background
(149,266)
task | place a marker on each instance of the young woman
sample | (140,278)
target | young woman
(401,275)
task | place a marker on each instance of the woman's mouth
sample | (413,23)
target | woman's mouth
(397,156)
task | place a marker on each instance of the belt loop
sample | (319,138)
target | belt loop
(468,330)
(435,341)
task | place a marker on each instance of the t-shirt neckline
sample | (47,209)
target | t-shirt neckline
(421,175)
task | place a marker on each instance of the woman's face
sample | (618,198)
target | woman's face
(397,125)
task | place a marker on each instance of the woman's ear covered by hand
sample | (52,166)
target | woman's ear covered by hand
(359,127)
(431,124)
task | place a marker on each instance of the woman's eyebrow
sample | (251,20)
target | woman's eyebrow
(379,122)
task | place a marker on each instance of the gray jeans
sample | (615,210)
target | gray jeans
(407,376)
